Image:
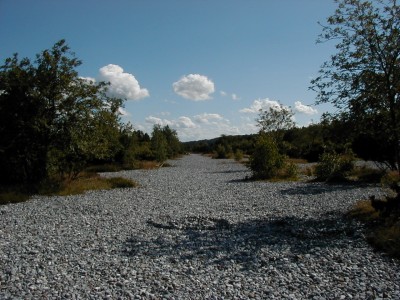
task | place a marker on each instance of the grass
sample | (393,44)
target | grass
(85,182)
(366,175)
(13,197)
(92,181)
(383,233)
(364,211)
(104,168)
(296,160)
(148,165)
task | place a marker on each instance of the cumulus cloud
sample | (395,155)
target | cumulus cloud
(123,112)
(206,118)
(305,109)
(88,79)
(184,122)
(181,122)
(262,104)
(194,87)
(158,121)
(123,85)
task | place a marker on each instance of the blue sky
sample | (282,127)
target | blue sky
(204,67)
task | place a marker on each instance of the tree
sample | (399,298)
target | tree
(22,130)
(363,78)
(266,160)
(275,120)
(159,144)
(173,143)
(53,121)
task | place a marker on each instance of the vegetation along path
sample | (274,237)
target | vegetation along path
(195,230)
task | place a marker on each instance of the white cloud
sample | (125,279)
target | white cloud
(181,122)
(305,109)
(194,87)
(204,126)
(123,85)
(157,121)
(184,122)
(206,118)
(123,112)
(263,104)
(223,94)
(88,79)
(235,97)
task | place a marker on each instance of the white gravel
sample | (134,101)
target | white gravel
(195,230)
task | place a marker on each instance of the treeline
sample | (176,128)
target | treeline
(137,146)
(53,123)
(332,134)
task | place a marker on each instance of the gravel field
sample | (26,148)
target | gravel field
(195,230)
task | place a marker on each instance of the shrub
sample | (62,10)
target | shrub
(332,166)
(266,161)
(222,152)
(382,232)
(291,170)
(238,155)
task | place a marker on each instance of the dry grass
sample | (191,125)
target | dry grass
(296,160)
(387,238)
(364,211)
(85,182)
(12,197)
(93,182)
(148,165)
(383,233)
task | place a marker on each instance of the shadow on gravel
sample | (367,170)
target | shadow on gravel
(229,172)
(253,244)
(319,188)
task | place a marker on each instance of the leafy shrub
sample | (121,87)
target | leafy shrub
(222,152)
(266,160)
(332,166)
(238,155)
(291,170)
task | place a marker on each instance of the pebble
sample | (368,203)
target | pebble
(195,230)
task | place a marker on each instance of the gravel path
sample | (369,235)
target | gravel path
(195,230)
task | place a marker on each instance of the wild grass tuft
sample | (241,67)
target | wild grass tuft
(383,233)
(387,238)
(52,187)
(94,182)
(364,211)
(12,197)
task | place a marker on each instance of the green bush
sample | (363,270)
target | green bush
(238,155)
(334,167)
(266,161)
(291,170)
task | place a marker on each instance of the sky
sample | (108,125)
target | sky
(203,67)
